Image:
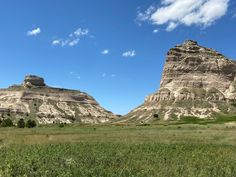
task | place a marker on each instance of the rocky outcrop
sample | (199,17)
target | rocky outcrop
(34,100)
(33,81)
(196,81)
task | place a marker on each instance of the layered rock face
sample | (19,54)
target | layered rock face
(34,100)
(196,81)
(33,81)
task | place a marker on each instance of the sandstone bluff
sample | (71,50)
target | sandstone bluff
(196,81)
(33,99)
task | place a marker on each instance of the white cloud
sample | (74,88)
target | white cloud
(75,75)
(130,53)
(74,42)
(73,39)
(143,16)
(34,32)
(173,13)
(56,42)
(171,26)
(155,30)
(81,32)
(105,52)
(104,75)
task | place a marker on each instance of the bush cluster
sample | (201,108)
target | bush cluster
(20,124)
(29,124)
(6,123)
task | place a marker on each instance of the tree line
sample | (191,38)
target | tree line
(21,123)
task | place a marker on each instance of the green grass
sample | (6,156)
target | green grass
(182,150)
(113,160)
(219,119)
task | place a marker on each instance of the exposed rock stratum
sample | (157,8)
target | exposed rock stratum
(34,99)
(196,81)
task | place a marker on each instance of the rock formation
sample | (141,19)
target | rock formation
(33,81)
(196,81)
(34,100)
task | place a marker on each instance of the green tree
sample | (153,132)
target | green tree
(156,116)
(21,123)
(7,123)
(31,124)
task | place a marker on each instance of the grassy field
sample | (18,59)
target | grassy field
(166,150)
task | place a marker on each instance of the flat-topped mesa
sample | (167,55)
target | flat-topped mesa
(33,99)
(33,81)
(196,81)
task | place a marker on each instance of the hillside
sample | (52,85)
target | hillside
(34,99)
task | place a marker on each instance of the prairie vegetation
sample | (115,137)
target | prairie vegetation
(189,148)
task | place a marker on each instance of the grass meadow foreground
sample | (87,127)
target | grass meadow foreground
(164,150)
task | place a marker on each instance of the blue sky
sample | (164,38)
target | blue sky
(113,50)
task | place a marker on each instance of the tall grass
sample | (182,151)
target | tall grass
(115,159)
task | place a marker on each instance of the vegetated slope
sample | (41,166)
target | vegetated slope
(196,81)
(34,99)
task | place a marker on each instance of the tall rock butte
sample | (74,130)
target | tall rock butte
(196,81)
(33,99)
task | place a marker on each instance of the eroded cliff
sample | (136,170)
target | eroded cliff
(196,81)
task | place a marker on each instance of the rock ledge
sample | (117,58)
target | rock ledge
(33,81)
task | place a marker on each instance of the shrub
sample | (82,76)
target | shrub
(7,123)
(144,124)
(31,124)
(156,116)
(61,125)
(21,123)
